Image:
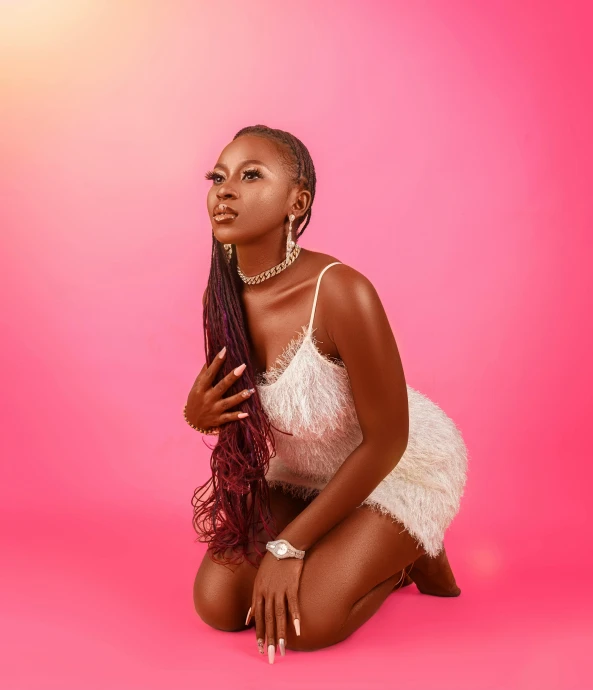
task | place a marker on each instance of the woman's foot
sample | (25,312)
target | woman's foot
(434,576)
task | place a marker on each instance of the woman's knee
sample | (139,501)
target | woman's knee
(220,597)
(216,612)
(316,637)
(321,626)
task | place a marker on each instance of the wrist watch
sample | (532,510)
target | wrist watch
(284,549)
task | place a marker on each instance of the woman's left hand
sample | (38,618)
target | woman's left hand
(276,582)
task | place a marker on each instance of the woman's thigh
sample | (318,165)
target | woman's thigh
(348,574)
(222,593)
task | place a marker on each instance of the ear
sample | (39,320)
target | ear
(301,203)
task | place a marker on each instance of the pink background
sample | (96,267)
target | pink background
(453,148)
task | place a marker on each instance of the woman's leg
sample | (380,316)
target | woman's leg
(222,593)
(434,576)
(348,574)
(404,579)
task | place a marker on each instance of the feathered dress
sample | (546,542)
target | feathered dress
(308,395)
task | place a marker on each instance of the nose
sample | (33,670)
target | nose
(224,191)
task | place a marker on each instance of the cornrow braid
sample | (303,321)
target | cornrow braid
(223,517)
(297,160)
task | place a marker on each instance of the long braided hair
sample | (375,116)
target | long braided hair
(223,517)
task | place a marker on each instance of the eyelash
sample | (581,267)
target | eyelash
(210,175)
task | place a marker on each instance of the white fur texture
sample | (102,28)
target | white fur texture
(309,395)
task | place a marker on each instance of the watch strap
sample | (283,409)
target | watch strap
(281,548)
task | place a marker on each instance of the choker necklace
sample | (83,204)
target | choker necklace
(264,275)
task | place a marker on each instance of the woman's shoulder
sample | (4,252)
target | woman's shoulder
(341,280)
(346,295)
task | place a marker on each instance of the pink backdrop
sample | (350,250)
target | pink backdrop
(470,123)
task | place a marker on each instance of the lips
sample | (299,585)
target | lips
(223,209)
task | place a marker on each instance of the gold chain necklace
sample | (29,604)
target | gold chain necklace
(264,275)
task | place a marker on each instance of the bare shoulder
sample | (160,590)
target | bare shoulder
(353,310)
(345,288)
(339,277)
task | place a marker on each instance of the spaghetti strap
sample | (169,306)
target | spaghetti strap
(316,293)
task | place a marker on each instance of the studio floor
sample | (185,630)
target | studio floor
(105,601)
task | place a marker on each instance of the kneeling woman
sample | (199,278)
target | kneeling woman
(333,482)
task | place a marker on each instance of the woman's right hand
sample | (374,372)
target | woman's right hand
(206,408)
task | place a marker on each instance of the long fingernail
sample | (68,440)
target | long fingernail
(297,626)
(221,353)
(239,369)
(271,652)
(260,645)
(282,646)
(248,614)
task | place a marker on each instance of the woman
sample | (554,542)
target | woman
(321,444)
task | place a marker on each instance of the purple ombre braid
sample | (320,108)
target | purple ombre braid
(223,516)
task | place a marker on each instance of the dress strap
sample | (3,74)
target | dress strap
(317,292)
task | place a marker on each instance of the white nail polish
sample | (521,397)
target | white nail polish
(271,653)
(282,646)
(297,626)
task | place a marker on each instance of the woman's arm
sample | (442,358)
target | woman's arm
(358,325)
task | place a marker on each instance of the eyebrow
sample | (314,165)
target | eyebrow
(251,160)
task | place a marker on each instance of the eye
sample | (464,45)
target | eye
(210,175)
(253,171)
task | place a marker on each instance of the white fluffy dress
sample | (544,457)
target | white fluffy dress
(309,396)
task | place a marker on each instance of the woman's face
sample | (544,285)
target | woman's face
(250,179)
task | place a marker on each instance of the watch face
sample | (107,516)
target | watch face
(281,549)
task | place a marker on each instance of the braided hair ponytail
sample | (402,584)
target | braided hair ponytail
(223,516)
